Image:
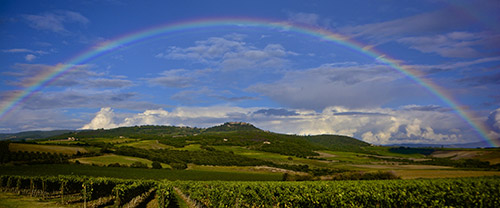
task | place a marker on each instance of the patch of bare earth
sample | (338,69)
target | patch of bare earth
(403,167)
(276,170)
(324,154)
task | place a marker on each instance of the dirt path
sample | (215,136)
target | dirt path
(187,201)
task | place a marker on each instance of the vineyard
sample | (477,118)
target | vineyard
(102,192)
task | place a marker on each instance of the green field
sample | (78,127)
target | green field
(16,147)
(147,144)
(107,159)
(274,157)
(137,173)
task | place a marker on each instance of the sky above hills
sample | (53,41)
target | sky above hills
(261,62)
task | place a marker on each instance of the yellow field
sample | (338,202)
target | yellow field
(403,167)
(16,147)
(412,174)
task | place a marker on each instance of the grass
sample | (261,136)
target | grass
(136,173)
(16,147)
(191,147)
(12,200)
(273,157)
(147,144)
(413,174)
(384,151)
(107,159)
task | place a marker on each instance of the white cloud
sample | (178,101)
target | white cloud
(24,50)
(103,119)
(176,78)
(55,21)
(230,54)
(30,57)
(494,124)
(374,125)
(77,76)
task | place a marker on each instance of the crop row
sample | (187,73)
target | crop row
(88,190)
(465,192)
(470,192)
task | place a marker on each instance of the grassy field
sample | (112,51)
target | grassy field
(147,144)
(384,151)
(91,140)
(137,173)
(15,147)
(107,159)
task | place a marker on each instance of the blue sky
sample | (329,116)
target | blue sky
(279,80)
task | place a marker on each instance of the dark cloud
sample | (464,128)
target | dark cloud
(437,21)
(172,81)
(353,86)
(234,99)
(109,83)
(358,114)
(436,108)
(276,112)
(482,80)
(455,44)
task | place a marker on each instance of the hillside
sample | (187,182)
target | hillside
(235,150)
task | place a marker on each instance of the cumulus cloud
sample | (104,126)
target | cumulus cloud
(55,21)
(494,120)
(374,125)
(103,119)
(493,123)
(230,54)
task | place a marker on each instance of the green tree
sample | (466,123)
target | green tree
(156,165)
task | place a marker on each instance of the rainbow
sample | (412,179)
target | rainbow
(56,72)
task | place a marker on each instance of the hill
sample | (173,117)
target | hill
(236,147)
(227,134)
(27,135)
